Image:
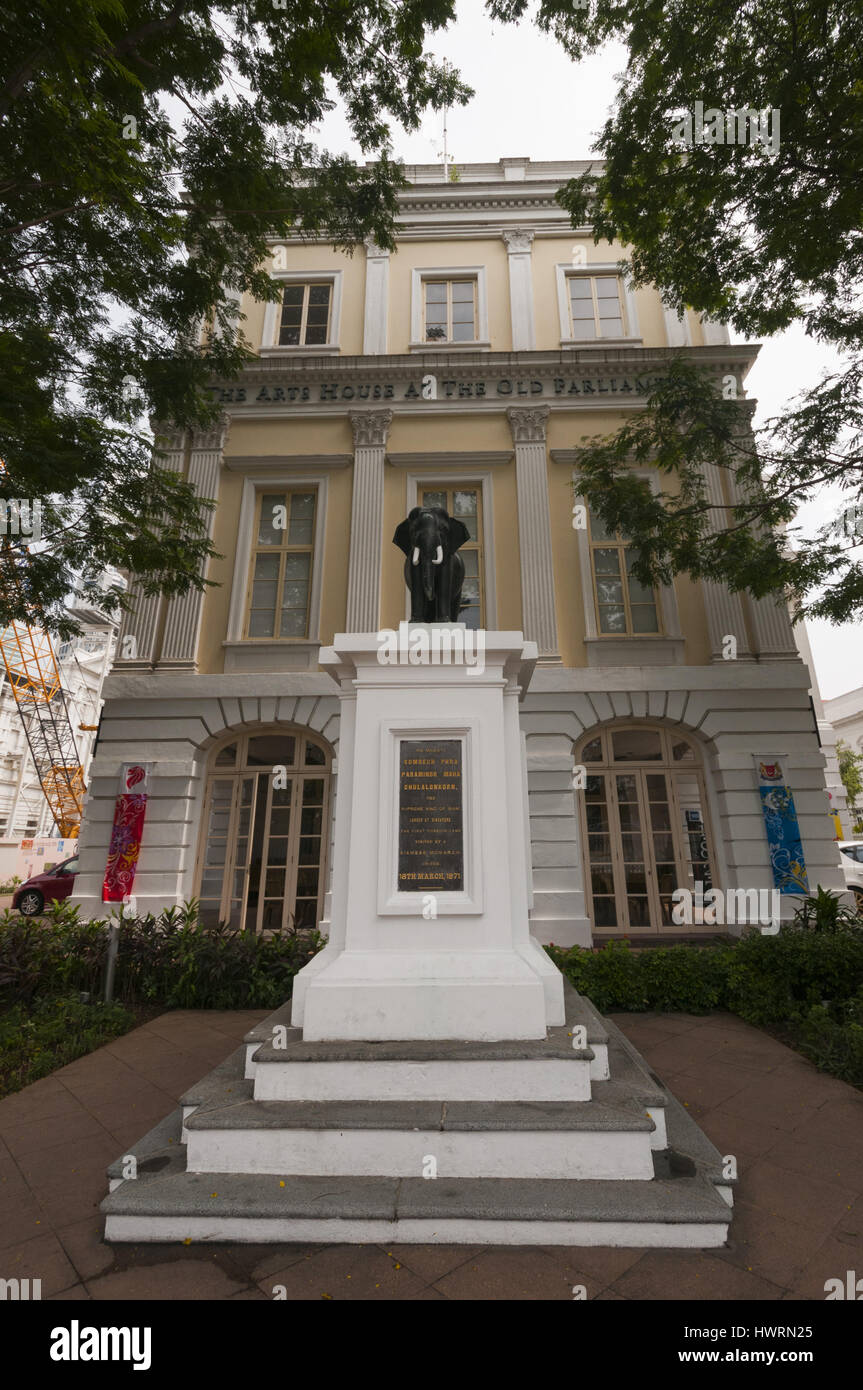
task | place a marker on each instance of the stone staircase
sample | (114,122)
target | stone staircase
(490,1143)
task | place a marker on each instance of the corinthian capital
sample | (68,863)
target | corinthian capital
(517,239)
(528,423)
(370,427)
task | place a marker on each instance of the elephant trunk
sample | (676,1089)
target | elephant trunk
(428,578)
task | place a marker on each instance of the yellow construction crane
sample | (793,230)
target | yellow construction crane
(34,679)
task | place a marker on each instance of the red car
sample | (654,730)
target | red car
(53,884)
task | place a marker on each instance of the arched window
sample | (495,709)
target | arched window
(265,826)
(644,826)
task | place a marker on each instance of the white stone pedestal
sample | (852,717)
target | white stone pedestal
(472,971)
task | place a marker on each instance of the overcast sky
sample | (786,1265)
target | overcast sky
(531,100)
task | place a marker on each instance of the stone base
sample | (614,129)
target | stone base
(499,1143)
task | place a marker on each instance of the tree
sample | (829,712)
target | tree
(147,149)
(851,772)
(762,233)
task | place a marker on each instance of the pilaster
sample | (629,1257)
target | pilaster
(528,426)
(370,429)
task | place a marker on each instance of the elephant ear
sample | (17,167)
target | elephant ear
(458,534)
(402,537)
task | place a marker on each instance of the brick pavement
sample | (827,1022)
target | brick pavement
(797,1136)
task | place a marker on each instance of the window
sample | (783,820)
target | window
(305,315)
(644,825)
(624,606)
(450,311)
(595,306)
(280,578)
(261,866)
(465,503)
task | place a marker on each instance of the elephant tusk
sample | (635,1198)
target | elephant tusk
(438,559)
(415,559)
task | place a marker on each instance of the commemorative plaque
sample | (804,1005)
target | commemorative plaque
(431,835)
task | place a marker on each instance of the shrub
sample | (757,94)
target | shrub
(170,960)
(36,1039)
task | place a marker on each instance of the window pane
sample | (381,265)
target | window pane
(592,751)
(295,595)
(315,757)
(435,292)
(300,531)
(268,532)
(319,295)
(293,623)
(582,309)
(598,529)
(644,617)
(612,619)
(612,328)
(471,563)
(434,499)
(606,288)
(271,750)
(462,290)
(261,623)
(297,566)
(293,295)
(266,568)
(609,591)
(289,336)
(462,313)
(464,503)
(227,756)
(606,562)
(462,332)
(579,287)
(435,333)
(315,335)
(636,745)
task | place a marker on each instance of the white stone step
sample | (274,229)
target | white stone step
(403,1139)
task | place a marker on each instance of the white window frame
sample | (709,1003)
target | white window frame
(563,272)
(466,477)
(448,272)
(273,314)
(252,488)
(619,649)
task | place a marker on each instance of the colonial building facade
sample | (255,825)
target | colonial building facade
(463,370)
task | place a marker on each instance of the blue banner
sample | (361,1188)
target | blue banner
(783,832)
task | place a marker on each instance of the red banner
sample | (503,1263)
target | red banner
(126,832)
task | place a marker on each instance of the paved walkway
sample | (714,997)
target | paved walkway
(797,1136)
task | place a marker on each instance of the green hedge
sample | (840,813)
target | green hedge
(171,960)
(808,985)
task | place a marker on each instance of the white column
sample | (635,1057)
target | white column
(377,299)
(724,609)
(183,623)
(139,627)
(676,327)
(715,333)
(518,245)
(528,426)
(370,429)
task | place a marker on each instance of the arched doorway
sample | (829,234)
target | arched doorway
(645,826)
(265,824)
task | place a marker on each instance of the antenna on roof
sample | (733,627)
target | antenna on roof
(442,154)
